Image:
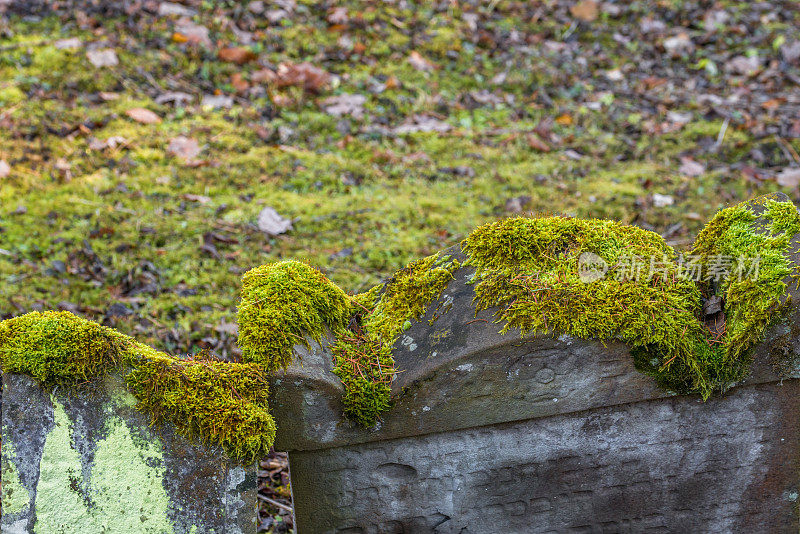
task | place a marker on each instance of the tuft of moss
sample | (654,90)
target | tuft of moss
(217,402)
(363,354)
(754,299)
(530,269)
(58,348)
(282,304)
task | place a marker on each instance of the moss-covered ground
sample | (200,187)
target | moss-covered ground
(655,113)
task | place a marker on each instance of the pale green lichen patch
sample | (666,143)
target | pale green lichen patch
(217,402)
(15,497)
(125,492)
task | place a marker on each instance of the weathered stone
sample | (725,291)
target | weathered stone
(86,462)
(493,433)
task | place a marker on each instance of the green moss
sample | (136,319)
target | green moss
(530,269)
(218,402)
(363,354)
(15,496)
(283,303)
(756,233)
(58,348)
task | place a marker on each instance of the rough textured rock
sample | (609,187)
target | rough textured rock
(89,462)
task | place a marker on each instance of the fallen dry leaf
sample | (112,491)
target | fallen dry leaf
(112,142)
(536,143)
(184,147)
(271,223)
(416,60)
(679,44)
(5,168)
(202,199)
(239,83)
(167,9)
(304,75)
(144,116)
(564,120)
(187,31)
(217,101)
(104,57)
(422,123)
(338,15)
(237,54)
(68,44)
(690,167)
(585,10)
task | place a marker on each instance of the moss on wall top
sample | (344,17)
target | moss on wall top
(534,271)
(222,403)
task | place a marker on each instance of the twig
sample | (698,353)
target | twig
(275,503)
(788,148)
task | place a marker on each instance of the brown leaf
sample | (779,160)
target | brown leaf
(416,60)
(585,10)
(304,75)
(237,54)
(239,83)
(145,116)
(536,143)
(690,167)
(185,148)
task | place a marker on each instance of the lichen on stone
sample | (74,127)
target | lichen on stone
(222,403)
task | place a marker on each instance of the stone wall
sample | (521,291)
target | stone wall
(88,462)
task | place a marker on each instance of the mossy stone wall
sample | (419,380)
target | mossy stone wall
(88,462)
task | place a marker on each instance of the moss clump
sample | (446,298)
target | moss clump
(282,304)
(218,402)
(758,232)
(531,270)
(363,354)
(58,348)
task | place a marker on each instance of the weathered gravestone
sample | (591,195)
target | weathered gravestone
(88,462)
(525,434)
